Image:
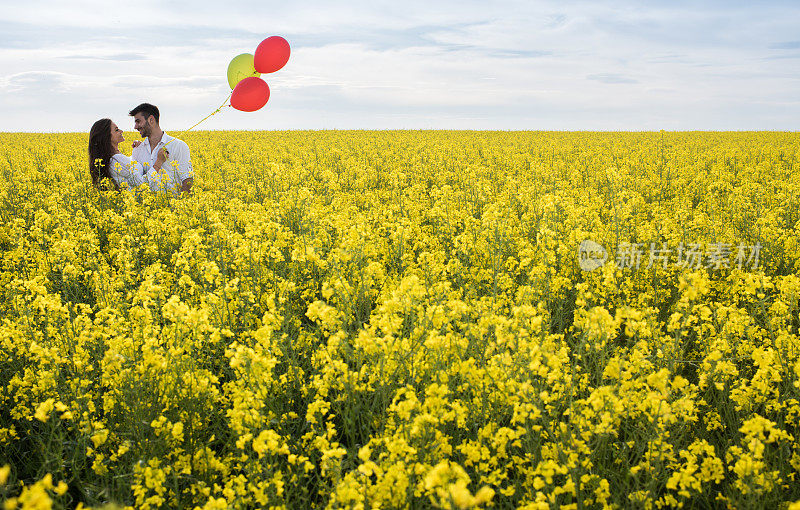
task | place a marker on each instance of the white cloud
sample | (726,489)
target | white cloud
(504,65)
(34,80)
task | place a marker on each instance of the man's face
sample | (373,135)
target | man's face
(141,124)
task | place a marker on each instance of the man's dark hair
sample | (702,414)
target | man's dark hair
(145,109)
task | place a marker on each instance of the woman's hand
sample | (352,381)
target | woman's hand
(136,143)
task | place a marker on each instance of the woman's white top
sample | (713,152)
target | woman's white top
(123,169)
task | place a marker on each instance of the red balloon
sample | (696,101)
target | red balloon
(250,94)
(271,54)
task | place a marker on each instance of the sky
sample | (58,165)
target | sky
(507,65)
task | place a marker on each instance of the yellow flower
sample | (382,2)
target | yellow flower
(177,431)
(99,437)
(43,410)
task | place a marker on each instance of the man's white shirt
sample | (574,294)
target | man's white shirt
(176,169)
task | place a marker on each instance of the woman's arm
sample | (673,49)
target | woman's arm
(121,170)
(124,169)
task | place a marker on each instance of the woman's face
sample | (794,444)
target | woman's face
(116,134)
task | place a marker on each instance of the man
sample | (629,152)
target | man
(178,167)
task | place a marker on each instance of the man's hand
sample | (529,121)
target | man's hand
(136,143)
(186,185)
(162,157)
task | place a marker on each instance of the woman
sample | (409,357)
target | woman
(106,161)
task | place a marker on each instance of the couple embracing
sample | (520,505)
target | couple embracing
(159,160)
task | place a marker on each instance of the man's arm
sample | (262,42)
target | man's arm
(153,175)
(185,173)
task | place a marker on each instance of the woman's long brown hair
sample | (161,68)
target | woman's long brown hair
(100,153)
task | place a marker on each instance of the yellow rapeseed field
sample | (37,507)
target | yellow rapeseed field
(405,319)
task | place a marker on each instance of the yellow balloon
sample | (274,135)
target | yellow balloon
(241,67)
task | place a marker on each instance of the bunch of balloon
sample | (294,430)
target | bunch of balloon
(250,92)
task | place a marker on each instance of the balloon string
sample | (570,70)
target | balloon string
(223,105)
